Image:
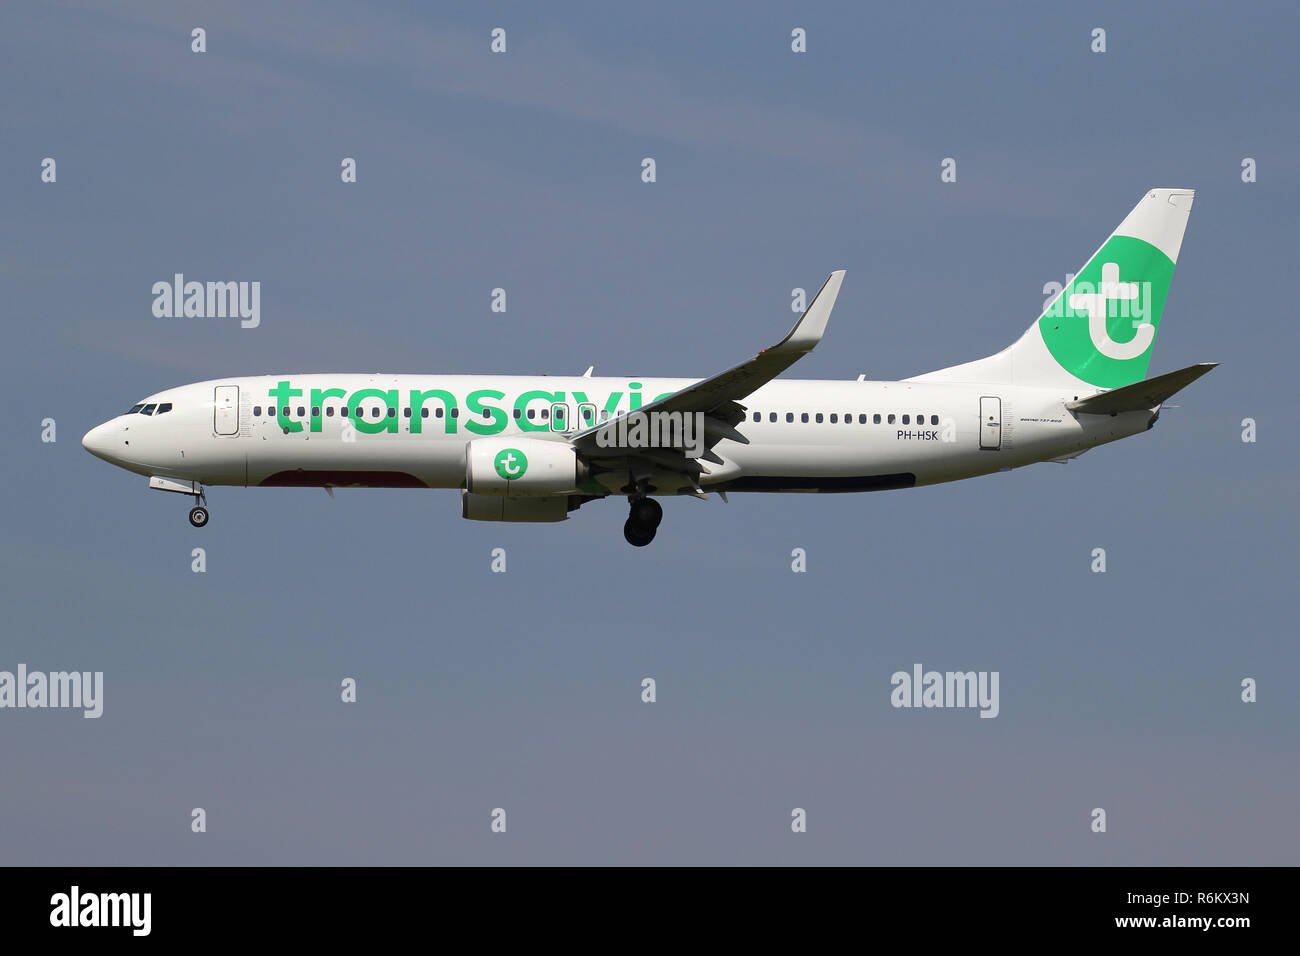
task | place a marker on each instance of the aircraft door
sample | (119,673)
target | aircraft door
(990,423)
(226,410)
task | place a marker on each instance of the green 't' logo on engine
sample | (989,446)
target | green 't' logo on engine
(1103,324)
(511,463)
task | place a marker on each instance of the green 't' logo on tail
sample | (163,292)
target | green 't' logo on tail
(510,463)
(1102,325)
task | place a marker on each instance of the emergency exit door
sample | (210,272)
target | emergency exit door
(990,423)
(226,414)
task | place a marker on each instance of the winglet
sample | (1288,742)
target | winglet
(718,396)
(808,331)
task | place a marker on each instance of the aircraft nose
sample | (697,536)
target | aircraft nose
(98,441)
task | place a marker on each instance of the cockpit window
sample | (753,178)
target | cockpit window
(164,407)
(148,409)
(135,408)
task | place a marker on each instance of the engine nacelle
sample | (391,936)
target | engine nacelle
(503,508)
(522,467)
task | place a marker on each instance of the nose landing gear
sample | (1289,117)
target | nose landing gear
(199,513)
(644,515)
(182,486)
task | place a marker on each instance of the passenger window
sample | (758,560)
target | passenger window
(406,412)
(862,419)
(424,412)
(891,419)
(604,414)
(771,417)
(875,419)
(329,411)
(302,412)
(758,416)
(789,416)
(455,413)
(148,409)
(819,418)
(315,411)
(517,413)
(374,412)
(257,411)
(546,413)
(907,420)
(532,413)
(438,412)
(934,419)
(804,417)
(285,410)
(392,413)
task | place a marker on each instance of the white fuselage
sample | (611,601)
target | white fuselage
(412,430)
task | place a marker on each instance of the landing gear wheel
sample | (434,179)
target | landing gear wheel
(198,516)
(637,535)
(647,512)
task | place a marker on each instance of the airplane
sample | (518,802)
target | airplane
(536,448)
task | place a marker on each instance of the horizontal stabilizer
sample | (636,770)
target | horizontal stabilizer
(1140,395)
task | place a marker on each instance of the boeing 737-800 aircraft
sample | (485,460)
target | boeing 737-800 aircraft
(536,448)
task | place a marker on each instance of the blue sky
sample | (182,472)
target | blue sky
(480,690)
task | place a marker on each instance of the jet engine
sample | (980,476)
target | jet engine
(522,467)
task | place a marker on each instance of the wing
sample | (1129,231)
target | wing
(718,398)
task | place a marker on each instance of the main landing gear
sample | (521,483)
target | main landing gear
(643,520)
